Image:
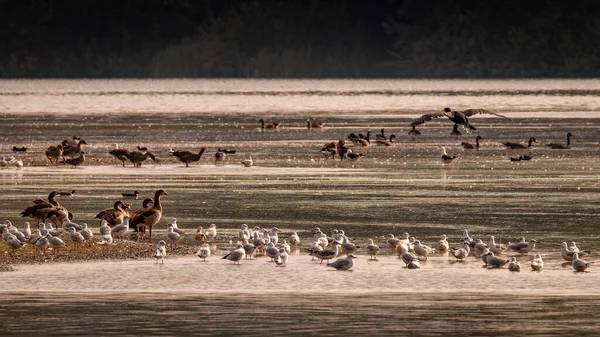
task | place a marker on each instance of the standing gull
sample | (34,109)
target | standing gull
(523,247)
(343,264)
(372,250)
(204,251)
(578,264)
(236,254)
(514,265)
(161,251)
(537,264)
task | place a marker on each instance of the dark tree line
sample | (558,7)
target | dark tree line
(299,38)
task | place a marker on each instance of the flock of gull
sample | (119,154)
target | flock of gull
(118,221)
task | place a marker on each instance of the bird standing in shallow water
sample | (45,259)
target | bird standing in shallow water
(446,159)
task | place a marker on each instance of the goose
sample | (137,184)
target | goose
(39,210)
(294,239)
(560,146)
(236,255)
(458,117)
(537,263)
(54,152)
(388,142)
(188,158)
(137,158)
(494,261)
(203,252)
(519,146)
(135,195)
(120,154)
(314,125)
(19,149)
(523,247)
(329,150)
(381,136)
(343,264)
(211,232)
(270,126)
(77,161)
(372,250)
(282,258)
(443,245)
(73,150)
(513,265)
(172,236)
(446,159)
(116,214)
(247,162)
(120,230)
(414,131)
(470,146)
(148,202)
(578,264)
(363,140)
(160,252)
(66,194)
(455,131)
(220,158)
(150,216)
(142,148)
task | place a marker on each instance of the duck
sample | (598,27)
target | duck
(446,159)
(150,216)
(519,146)
(470,146)
(388,142)
(137,157)
(77,161)
(247,162)
(457,117)
(120,154)
(135,195)
(192,157)
(54,152)
(270,126)
(115,215)
(363,140)
(220,158)
(560,146)
(314,125)
(73,150)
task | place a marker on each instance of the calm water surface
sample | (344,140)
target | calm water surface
(552,198)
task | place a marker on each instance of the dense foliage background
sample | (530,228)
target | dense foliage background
(299,38)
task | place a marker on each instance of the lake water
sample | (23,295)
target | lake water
(553,198)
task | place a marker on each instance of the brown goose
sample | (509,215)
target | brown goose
(137,157)
(520,146)
(120,154)
(39,209)
(388,142)
(54,152)
(150,216)
(270,126)
(72,151)
(220,157)
(458,117)
(77,161)
(314,125)
(114,216)
(148,202)
(187,159)
(363,140)
(471,146)
(329,150)
(560,146)
(381,136)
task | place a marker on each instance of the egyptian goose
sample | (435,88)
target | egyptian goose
(150,216)
(75,150)
(458,117)
(54,152)
(148,202)
(136,157)
(39,209)
(192,157)
(115,215)
(120,154)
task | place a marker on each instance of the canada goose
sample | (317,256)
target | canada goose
(314,125)
(77,161)
(120,154)
(143,149)
(458,117)
(519,158)
(446,159)
(179,153)
(512,145)
(363,140)
(115,215)
(471,146)
(381,136)
(270,126)
(455,131)
(54,152)
(135,194)
(39,209)
(526,157)
(19,149)
(150,216)
(187,159)
(72,151)
(136,157)
(66,194)
(388,142)
(227,151)
(247,162)
(220,158)
(560,146)
(329,150)
(414,131)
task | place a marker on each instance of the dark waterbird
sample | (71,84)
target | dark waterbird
(458,117)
